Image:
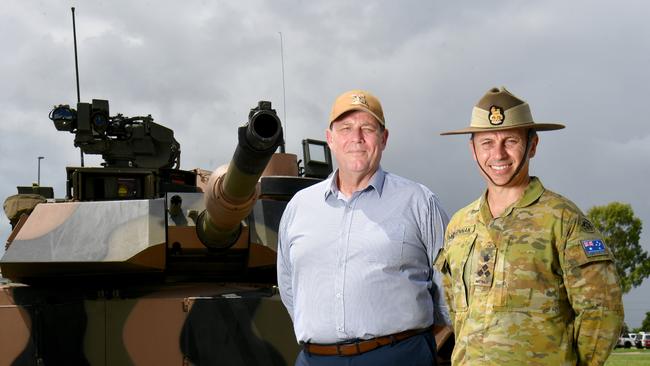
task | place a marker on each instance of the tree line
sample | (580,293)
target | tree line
(621,230)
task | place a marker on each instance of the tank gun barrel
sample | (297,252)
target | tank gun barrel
(230,195)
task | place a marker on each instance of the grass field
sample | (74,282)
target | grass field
(629,357)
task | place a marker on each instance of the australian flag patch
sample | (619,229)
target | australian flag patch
(593,247)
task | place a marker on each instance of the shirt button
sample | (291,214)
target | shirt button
(340,329)
(338,295)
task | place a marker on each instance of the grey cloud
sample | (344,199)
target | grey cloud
(198,67)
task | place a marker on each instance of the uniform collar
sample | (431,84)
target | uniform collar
(376,182)
(531,195)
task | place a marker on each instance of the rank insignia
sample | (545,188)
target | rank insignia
(359,99)
(593,247)
(485,262)
(496,115)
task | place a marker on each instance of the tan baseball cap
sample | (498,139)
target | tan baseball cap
(357,100)
(500,110)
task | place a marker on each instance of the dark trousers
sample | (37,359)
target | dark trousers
(419,350)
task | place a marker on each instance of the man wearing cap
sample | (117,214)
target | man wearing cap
(355,253)
(529,279)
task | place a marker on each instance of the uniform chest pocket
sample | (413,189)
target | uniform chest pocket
(381,243)
(532,297)
(458,251)
(530,283)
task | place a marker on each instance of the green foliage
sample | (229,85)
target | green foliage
(621,231)
(645,326)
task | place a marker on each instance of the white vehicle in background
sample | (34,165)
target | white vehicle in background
(626,340)
(642,340)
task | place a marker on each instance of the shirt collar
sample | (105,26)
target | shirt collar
(532,193)
(376,182)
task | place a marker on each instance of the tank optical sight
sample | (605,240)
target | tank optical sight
(92,119)
(64,118)
(133,142)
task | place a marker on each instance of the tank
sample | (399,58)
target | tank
(143,263)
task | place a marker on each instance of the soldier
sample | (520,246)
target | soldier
(528,279)
(355,253)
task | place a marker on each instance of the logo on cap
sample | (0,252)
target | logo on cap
(359,99)
(496,115)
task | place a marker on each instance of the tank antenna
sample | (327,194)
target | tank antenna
(284,94)
(76,68)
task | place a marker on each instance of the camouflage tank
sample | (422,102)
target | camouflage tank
(146,264)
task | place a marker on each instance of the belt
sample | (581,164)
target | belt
(360,346)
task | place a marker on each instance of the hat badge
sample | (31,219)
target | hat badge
(496,115)
(359,99)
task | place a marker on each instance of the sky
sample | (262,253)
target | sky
(198,67)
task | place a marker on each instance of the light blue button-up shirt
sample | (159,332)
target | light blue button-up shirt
(361,267)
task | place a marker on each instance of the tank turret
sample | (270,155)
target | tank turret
(121,221)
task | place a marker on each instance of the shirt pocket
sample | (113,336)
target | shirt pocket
(458,251)
(530,282)
(384,243)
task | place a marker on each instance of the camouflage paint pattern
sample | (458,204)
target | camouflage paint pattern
(522,289)
(89,237)
(181,324)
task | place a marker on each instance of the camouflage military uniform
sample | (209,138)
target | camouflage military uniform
(536,286)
